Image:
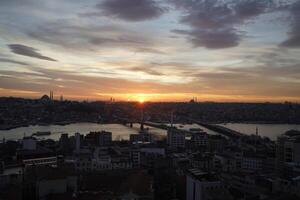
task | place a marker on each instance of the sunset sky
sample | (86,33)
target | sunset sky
(152,50)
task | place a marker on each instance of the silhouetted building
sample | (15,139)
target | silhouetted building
(104,138)
(200,139)
(142,137)
(175,138)
(64,143)
(288,150)
(29,143)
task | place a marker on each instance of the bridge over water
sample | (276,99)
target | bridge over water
(213,127)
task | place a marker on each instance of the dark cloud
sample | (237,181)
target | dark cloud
(294,36)
(6,60)
(251,8)
(213,22)
(131,10)
(92,37)
(212,38)
(28,51)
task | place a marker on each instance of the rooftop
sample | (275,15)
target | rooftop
(202,176)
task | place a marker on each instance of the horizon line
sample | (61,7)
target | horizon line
(145,102)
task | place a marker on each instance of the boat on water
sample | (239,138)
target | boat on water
(41,133)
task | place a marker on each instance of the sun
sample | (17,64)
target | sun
(141,101)
(140,98)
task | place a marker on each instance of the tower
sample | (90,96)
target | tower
(51,95)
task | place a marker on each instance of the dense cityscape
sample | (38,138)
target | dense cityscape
(181,164)
(15,112)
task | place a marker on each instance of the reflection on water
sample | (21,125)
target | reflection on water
(268,130)
(121,132)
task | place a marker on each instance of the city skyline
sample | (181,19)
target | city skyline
(151,50)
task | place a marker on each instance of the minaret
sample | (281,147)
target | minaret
(51,95)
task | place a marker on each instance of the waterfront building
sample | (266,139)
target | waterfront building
(104,138)
(175,138)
